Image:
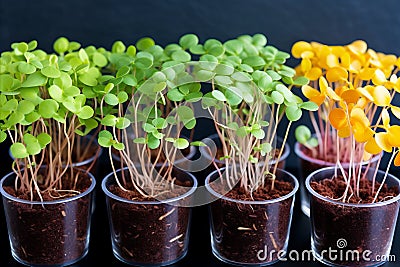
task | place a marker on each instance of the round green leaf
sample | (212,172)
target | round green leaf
(35,79)
(86,112)
(99,59)
(48,108)
(26,68)
(18,151)
(25,106)
(189,40)
(122,123)
(309,105)
(50,72)
(61,45)
(119,146)
(218,95)
(181,143)
(105,139)
(111,99)
(277,97)
(254,61)
(3,136)
(205,75)
(241,77)
(302,134)
(259,39)
(144,43)
(88,79)
(122,97)
(56,93)
(300,81)
(118,47)
(15,118)
(22,47)
(124,70)
(32,45)
(175,95)
(6,82)
(152,141)
(197,50)
(258,133)
(216,50)
(44,139)
(72,91)
(181,56)
(185,112)
(130,80)
(293,113)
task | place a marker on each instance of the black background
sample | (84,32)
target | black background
(101,22)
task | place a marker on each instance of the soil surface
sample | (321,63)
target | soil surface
(50,234)
(363,229)
(241,230)
(149,233)
(335,188)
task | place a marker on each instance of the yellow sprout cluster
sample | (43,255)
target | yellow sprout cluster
(355,86)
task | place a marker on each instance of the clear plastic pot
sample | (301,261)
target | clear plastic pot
(149,233)
(53,232)
(346,234)
(251,233)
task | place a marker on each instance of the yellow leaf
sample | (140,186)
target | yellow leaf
(332,61)
(358,115)
(361,132)
(344,132)
(358,47)
(299,47)
(397,86)
(323,85)
(381,96)
(312,94)
(393,135)
(383,142)
(379,77)
(365,92)
(338,118)
(387,60)
(397,160)
(307,54)
(350,96)
(362,103)
(398,62)
(366,74)
(345,60)
(305,64)
(355,66)
(336,74)
(313,74)
(396,111)
(385,118)
(372,147)
(332,94)
(393,78)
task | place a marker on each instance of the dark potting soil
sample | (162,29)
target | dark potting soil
(149,233)
(364,229)
(241,230)
(54,234)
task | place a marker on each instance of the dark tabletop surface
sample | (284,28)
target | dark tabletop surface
(199,253)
